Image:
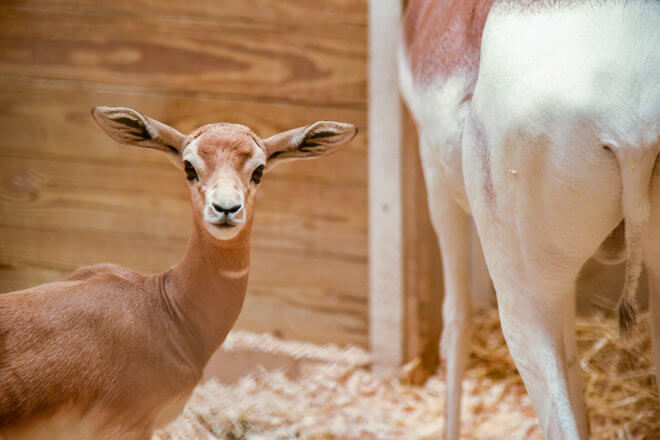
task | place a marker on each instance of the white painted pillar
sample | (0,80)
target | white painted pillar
(386,294)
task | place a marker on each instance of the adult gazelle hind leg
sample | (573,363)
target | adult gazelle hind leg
(536,328)
(573,369)
(451,225)
(537,310)
(527,224)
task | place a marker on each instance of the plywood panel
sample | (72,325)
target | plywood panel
(59,211)
(70,196)
(14,277)
(64,171)
(233,59)
(288,320)
(349,15)
(297,296)
(312,217)
(51,118)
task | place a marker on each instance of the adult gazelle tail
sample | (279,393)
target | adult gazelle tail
(636,165)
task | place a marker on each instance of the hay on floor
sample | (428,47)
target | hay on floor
(340,399)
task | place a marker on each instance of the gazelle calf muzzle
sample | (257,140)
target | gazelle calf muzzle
(224,209)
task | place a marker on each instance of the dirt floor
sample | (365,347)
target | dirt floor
(329,393)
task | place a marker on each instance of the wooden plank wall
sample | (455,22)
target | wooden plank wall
(70,196)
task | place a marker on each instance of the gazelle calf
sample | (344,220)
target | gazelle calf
(110,353)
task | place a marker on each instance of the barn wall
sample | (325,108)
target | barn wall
(70,196)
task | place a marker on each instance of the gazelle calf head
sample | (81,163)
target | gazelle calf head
(223,162)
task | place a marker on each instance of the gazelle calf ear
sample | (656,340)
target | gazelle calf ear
(317,139)
(127,126)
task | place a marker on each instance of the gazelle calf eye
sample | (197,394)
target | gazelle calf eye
(258,174)
(191,174)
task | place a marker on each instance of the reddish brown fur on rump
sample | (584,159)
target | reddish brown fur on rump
(441,36)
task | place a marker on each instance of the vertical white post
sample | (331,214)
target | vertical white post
(386,295)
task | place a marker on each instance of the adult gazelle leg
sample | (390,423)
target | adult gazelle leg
(535,328)
(534,253)
(451,226)
(573,370)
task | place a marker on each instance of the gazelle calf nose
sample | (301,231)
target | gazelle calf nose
(226,210)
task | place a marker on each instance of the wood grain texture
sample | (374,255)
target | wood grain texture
(227,58)
(349,15)
(70,196)
(60,126)
(59,211)
(318,306)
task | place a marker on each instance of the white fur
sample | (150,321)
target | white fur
(439,109)
(238,273)
(190,154)
(258,159)
(563,57)
(556,84)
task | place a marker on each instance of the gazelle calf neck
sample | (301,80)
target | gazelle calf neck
(110,353)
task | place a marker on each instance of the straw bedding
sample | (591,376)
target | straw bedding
(334,395)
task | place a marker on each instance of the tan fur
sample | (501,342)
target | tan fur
(108,352)
(442,36)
